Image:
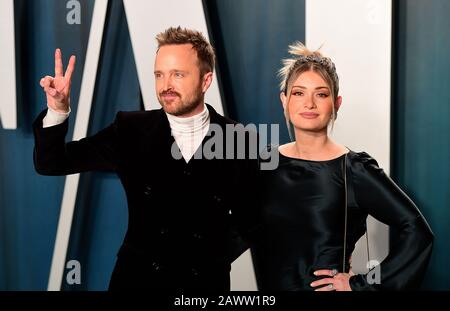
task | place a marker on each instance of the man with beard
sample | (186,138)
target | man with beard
(187,213)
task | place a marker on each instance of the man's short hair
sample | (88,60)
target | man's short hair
(178,35)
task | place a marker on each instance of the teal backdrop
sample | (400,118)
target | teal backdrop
(251,37)
(421,120)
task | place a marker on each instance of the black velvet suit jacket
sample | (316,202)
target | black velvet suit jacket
(186,220)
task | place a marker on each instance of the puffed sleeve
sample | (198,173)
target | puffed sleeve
(410,249)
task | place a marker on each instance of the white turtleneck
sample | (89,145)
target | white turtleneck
(189,132)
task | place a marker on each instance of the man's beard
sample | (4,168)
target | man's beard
(182,107)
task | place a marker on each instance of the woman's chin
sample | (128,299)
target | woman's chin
(313,128)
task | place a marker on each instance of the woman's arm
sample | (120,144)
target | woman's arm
(410,249)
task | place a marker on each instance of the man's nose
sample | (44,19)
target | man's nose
(167,83)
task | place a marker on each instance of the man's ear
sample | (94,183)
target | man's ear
(207,80)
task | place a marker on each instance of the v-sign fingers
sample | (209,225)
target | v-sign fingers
(70,68)
(58,64)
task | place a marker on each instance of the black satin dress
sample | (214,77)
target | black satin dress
(303,224)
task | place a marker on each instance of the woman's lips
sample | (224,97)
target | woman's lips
(309,115)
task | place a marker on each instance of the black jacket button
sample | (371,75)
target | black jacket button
(147,190)
(197,236)
(194,272)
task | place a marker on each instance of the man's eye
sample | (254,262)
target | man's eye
(179,75)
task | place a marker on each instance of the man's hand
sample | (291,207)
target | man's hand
(57,88)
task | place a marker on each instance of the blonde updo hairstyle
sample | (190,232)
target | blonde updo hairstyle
(304,60)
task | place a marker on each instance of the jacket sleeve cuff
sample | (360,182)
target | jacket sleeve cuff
(53,118)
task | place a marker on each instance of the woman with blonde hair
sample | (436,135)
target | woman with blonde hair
(316,202)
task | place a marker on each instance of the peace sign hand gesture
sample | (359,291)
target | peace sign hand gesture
(57,89)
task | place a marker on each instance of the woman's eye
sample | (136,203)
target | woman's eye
(323,95)
(297,93)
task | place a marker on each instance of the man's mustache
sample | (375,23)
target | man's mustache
(170,93)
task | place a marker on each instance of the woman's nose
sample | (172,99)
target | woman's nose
(309,102)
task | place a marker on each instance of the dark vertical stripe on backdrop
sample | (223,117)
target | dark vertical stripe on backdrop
(251,37)
(421,114)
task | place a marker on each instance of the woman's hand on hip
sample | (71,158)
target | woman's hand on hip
(334,282)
